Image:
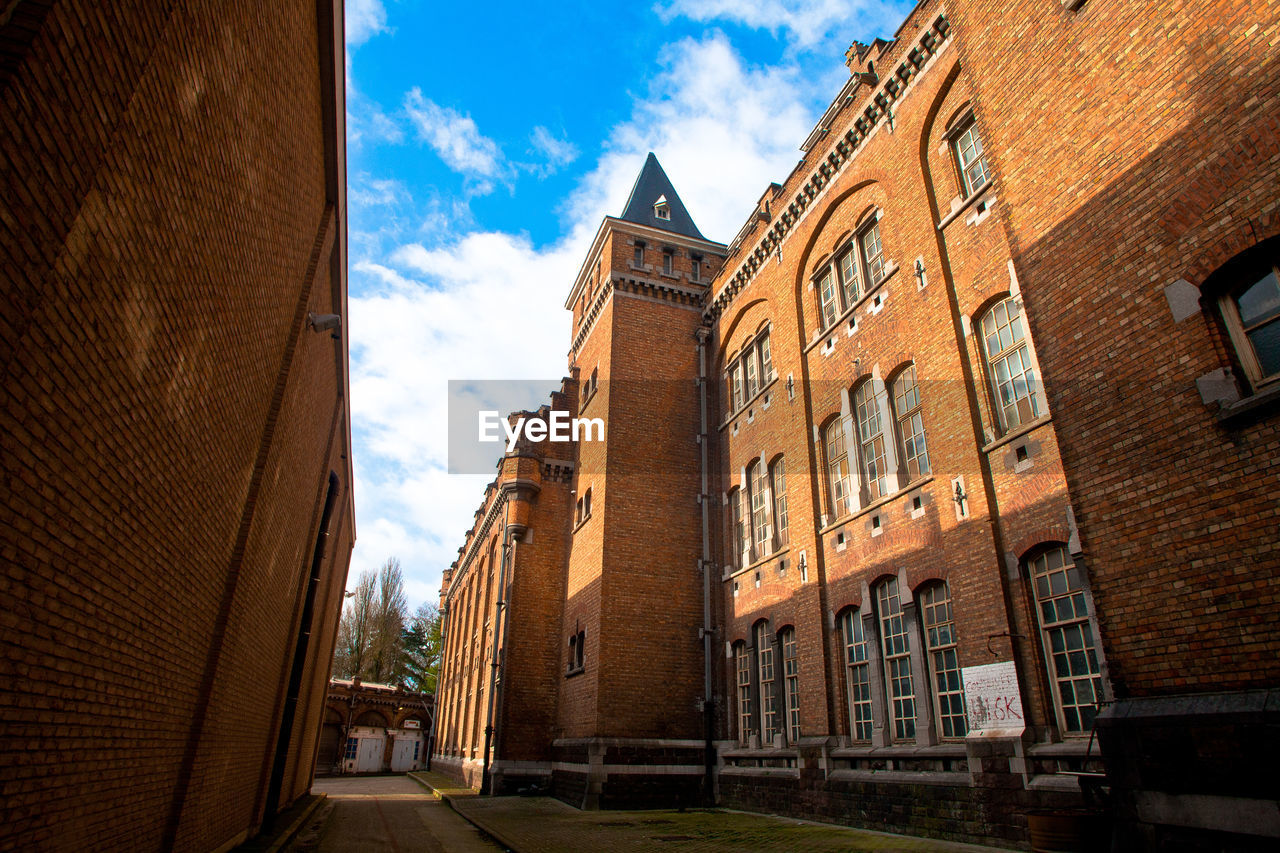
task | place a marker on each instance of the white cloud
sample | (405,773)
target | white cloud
(556,153)
(455,138)
(488,305)
(808,22)
(364,19)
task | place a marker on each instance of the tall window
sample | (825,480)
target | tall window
(837,468)
(974,172)
(827,293)
(872,254)
(749,371)
(757,481)
(940,639)
(847,266)
(896,643)
(637,255)
(739,531)
(1012,376)
(857,676)
(768,703)
(668,260)
(871,439)
(1068,639)
(906,409)
(1252,314)
(742,661)
(779,489)
(791,672)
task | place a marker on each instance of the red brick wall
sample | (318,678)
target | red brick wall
(1153,160)
(165,233)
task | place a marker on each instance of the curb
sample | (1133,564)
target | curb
(288,833)
(448,799)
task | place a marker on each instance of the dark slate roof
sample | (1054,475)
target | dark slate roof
(653,184)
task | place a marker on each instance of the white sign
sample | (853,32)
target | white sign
(993,701)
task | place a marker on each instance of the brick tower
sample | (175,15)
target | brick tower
(634,597)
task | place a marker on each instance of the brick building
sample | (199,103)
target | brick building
(373,728)
(874,536)
(177,516)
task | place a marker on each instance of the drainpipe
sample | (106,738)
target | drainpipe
(708,705)
(493,647)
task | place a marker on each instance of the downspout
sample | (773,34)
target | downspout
(504,603)
(704,498)
(493,647)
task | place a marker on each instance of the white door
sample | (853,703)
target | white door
(402,755)
(369,755)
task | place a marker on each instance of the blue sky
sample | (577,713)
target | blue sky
(484,144)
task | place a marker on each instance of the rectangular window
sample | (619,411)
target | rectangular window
(857,676)
(896,643)
(940,637)
(768,703)
(739,531)
(827,295)
(752,367)
(780,501)
(871,439)
(637,258)
(973,162)
(735,383)
(667,264)
(743,662)
(791,671)
(848,267)
(1012,373)
(766,358)
(352,745)
(872,254)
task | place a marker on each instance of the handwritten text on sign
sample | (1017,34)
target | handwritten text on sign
(992,700)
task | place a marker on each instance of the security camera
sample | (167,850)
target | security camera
(323,322)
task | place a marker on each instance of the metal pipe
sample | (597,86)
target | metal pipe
(708,704)
(493,647)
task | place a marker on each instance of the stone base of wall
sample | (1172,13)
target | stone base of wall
(467,771)
(629,773)
(1195,773)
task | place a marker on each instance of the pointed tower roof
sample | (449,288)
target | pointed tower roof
(653,196)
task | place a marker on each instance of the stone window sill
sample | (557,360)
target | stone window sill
(764,389)
(1258,404)
(965,205)
(890,271)
(759,563)
(1017,433)
(878,503)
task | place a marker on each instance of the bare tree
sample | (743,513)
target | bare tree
(390,615)
(354,651)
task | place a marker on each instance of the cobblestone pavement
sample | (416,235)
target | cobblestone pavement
(386,813)
(546,825)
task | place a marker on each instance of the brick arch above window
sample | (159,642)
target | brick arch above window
(1041,539)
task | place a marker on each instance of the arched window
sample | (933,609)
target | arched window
(837,468)
(1251,311)
(757,482)
(1013,378)
(857,675)
(866,401)
(742,667)
(906,411)
(1069,638)
(791,684)
(896,644)
(768,702)
(778,484)
(737,529)
(944,663)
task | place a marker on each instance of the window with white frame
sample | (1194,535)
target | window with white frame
(847,269)
(768,701)
(840,282)
(1251,312)
(757,482)
(895,643)
(778,486)
(857,675)
(872,253)
(837,468)
(906,411)
(738,529)
(871,450)
(791,683)
(742,665)
(1068,637)
(944,662)
(1013,377)
(637,254)
(827,295)
(970,158)
(668,262)
(748,372)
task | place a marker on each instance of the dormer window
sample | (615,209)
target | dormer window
(662,209)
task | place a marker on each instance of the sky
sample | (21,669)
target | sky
(485,143)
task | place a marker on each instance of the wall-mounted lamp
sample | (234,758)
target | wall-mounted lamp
(960,497)
(920,271)
(323,322)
